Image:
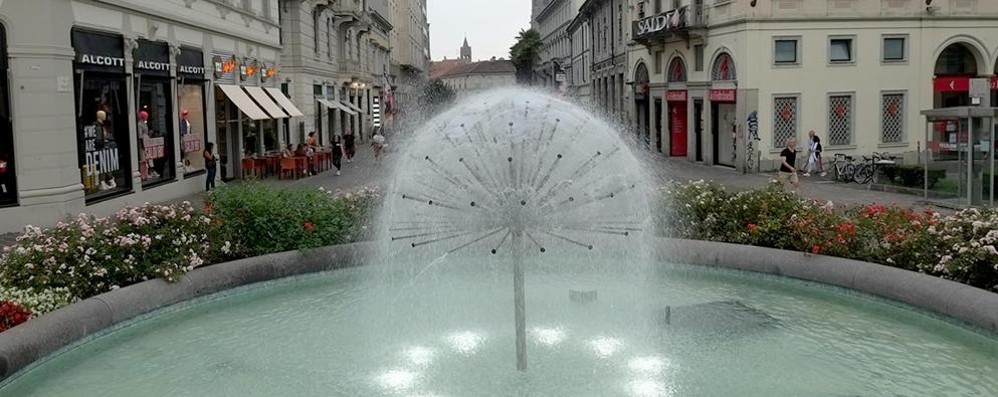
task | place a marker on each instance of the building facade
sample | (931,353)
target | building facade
(598,44)
(337,57)
(468,79)
(556,52)
(110,103)
(410,55)
(728,83)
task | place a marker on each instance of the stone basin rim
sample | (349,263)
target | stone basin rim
(34,340)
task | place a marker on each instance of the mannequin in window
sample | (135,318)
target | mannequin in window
(185,125)
(142,129)
(104,137)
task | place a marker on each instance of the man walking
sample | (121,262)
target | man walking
(788,171)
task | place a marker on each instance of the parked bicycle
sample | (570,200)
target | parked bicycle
(844,167)
(871,167)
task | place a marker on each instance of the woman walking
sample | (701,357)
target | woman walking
(210,164)
(349,146)
(814,161)
(337,153)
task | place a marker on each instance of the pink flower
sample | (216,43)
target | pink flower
(815,250)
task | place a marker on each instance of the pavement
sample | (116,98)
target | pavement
(363,172)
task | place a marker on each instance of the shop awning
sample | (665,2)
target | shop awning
(351,106)
(334,105)
(285,102)
(266,103)
(243,102)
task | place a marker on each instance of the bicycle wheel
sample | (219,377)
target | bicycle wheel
(863,174)
(848,172)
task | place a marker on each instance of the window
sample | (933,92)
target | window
(102,125)
(785,51)
(154,132)
(894,49)
(840,50)
(892,118)
(698,57)
(840,120)
(317,89)
(192,126)
(784,120)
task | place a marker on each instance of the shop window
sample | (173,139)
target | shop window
(840,120)
(191,102)
(784,120)
(154,122)
(8,177)
(892,118)
(103,135)
(192,126)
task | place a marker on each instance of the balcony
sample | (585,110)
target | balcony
(684,22)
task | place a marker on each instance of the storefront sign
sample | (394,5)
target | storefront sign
(723,95)
(675,95)
(661,23)
(152,58)
(267,72)
(224,66)
(155,148)
(248,69)
(192,143)
(99,51)
(190,63)
(99,152)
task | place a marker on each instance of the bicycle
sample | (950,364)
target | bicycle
(844,167)
(870,169)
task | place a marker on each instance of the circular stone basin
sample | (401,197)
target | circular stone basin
(675,331)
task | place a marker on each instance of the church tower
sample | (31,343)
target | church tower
(466,52)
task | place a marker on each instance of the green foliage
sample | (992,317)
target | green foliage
(960,247)
(259,219)
(524,54)
(435,97)
(913,175)
(91,255)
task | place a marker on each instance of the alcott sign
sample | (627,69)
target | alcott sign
(670,20)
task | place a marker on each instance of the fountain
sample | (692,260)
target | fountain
(518,175)
(517,228)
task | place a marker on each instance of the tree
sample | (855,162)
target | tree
(524,55)
(435,97)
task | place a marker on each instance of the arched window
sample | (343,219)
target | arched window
(723,69)
(677,71)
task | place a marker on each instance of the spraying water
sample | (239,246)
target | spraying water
(520,176)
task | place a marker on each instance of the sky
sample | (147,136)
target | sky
(491,26)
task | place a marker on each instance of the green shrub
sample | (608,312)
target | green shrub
(960,247)
(914,176)
(90,255)
(259,219)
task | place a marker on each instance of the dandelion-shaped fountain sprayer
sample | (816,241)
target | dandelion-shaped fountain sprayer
(519,175)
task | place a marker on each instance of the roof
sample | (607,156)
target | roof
(483,67)
(443,67)
(959,112)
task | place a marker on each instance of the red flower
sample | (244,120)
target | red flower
(12,314)
(752,227)
(309,226)
(815,250)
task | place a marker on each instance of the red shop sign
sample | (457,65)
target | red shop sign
(675,95)
(723,95)
(951,84)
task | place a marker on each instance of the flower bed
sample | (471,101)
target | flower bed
(959,247)
(47,269)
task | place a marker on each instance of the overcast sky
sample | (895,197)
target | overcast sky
(491,26)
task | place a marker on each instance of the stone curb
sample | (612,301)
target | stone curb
(971,305)
(38,338)
(22,345)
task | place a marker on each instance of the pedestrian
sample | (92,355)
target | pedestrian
(311,139)
(349,146)
(788,171)
(814,160)
(378,143)
(288,152)
(337,153)
(210,164)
